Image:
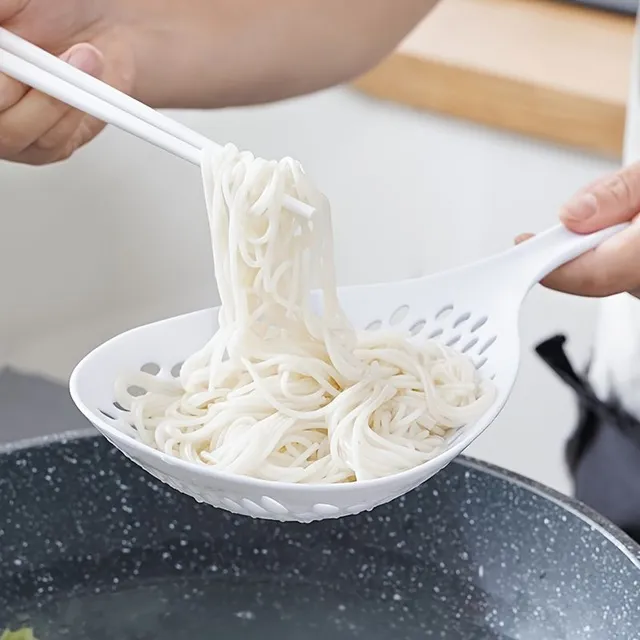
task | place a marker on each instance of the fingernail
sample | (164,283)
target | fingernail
(523,237)
(581,207)
(85,59)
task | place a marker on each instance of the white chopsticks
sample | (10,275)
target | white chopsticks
(36,68)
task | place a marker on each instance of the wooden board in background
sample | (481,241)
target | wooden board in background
(554,71)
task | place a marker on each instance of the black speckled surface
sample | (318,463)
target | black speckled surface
(93,548)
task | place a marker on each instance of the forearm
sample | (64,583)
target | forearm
(215,53)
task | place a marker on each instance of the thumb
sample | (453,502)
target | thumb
(609,201)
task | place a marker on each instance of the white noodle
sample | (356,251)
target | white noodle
(283,392)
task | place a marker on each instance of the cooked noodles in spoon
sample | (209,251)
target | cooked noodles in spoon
(288,390)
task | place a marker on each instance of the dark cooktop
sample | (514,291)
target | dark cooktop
(626,6)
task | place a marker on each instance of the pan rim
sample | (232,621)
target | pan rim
(586,514)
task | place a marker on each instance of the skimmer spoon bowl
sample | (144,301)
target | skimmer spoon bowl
(473,308)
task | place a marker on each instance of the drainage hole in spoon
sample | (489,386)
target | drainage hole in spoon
(399,314)
(417,327)
(151,368)
(480,322)
(487,344)
(444,312)
(461,320)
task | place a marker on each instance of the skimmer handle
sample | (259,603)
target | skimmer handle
(538,257)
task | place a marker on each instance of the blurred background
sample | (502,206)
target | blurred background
(117,236)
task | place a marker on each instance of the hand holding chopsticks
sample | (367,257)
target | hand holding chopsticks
(36,68)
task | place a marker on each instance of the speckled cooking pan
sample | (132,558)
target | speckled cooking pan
(92,548)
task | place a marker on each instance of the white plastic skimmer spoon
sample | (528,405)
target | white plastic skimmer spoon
(475,308)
